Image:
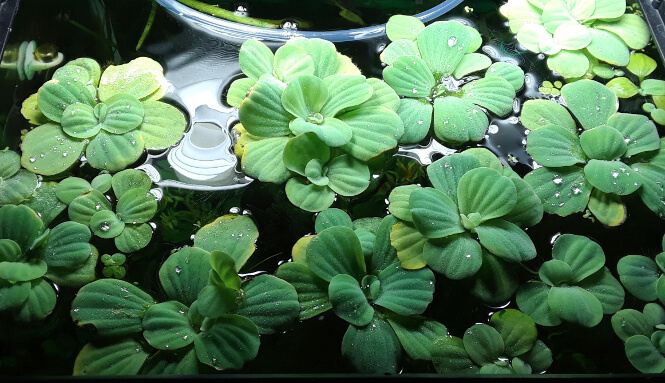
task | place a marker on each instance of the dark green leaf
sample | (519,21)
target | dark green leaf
(166,326)
(229,343)
(434,214)
(232,234)
(517,330)
(270,303)
(122,358)
(183,274)
(457,256)
(334,251)
(450,356)
(483,343)
(312,291)
(372,349)
(417,334)
(405,292)
(349,301)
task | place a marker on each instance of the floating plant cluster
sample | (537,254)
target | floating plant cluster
(308,119)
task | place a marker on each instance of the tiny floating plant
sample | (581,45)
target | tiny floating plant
(469,224)
(508,345)
(308,118)
(28,58)
(576,35)
(32,255)
(644,336)
(575,286)
(350,267)
(111,117)
(429,67)
(616,154)
(16,184)
(211,316)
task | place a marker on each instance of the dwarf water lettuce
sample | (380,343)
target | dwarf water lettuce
(576,33)
(210,316)
(31,255)
(310,120)
(616,154)
(644,277)
(644,337)
(508,345)
(428,67)
(111,117)
(475,210)
(351,268)
(575,286)
(16,184)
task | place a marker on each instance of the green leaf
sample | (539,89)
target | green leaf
(572,36)
(345,91)
(445,173)
(348,176)
(39,303)
(532,299)
(612,177)
(56,95)
(225,267)
(442,46)
(631,28)
(398,48)
(309,197)
(101,182)
(178,362)
(372,349)
(528,210)
(332,217)
(537,114)
(59,151)
(262,113)
(327,61)
(332,131)
(533,34)
(136,206)
(120,114)
(554,14)
(114,152)
(10,251)
(410,77)
(45,203)
(270,303)
(89,66)
(229,343)
(405,292)
(510,72)
(292,62)
(606,289)
(563,191)
(133,238)
(517,330)
(555,272)
(12,295)
(651,192)
(486,192)
(450,356)
(384,254)
(106,224)
(583,255)
(349,301)
(575,304)
(434,214)
(305,95)
(232,234)
(255,59)
(78,276)
(300,150)
(608,208)
(644,356)
(458,121)
(623,87)
(403,27)
(608,47)
(409,243)
(115,308)
(334,251)
(399,201)
(17,188)
(457,256)
(119,358)
(214,301)
(640,133)
(506,240)
(603,143)
(470,63)
(417,117)
(383,95)
(141,78)
(569,64)
(10,163)
(163,125)
(67,245)
(417,335)
(653,87)
(166,326)
(375,130)
(85,206)
(238,90)
(21,225)
(23,270)
(641,65)
(183,274)
(554,146)
(483,343)
(639,275)
(590,101)
(312,291)
(495,282)
(129,179)
(494,93)
(263,160)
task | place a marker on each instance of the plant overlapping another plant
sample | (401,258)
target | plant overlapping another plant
(308,118)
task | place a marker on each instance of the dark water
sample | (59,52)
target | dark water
(109,32)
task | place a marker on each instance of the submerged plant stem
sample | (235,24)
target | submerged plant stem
(228,15)
(148,25)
